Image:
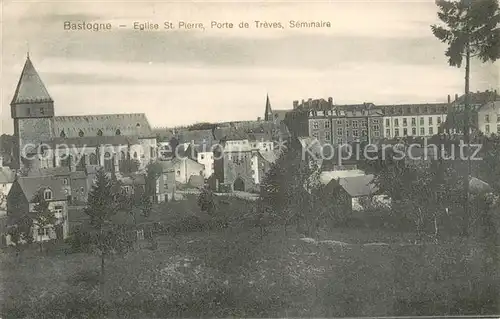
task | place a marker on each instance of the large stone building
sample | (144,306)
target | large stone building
(417,120)
(335,124)
(43,139)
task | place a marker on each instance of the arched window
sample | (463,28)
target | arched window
(81,134)
(62,134)
(47,194)
(118,132)
(108,162)
(99,133)
(122,155)
(138,125)
(93,159)
(135,155)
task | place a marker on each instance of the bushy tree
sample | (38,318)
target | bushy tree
(153,172)
(101,206)
(206,201)
(288,191)
(471,30)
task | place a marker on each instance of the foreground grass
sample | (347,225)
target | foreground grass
(233,272)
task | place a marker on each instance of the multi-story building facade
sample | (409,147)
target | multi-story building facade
(335,124)
(417,120)
(357,123)
(483,115)
(488,118)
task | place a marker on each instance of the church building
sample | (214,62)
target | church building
(44,140)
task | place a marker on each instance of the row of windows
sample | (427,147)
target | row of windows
(355,133)
(413,131)
(416,109)
(355,123)
(487,118)
(487,128)
(414,121)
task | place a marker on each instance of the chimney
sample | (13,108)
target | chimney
(330,102)
(456,97)
(258,119)
(303,103)
(309,102)
(449,99)
(295,104)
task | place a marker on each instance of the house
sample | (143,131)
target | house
(417,120)
(133,184)
(7,177)
(355,193)
(61,173)
(488,118)
(478,117)
(20,202)
(166,183)
(204,154)
(185,168)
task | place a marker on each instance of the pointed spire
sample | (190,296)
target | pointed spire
(268,116)
(30,87)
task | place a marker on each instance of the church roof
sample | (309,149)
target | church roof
(30,87)
(135,124)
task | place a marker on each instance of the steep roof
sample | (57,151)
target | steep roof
(134,124)
(492,105)
(357,186)
(326,176)
(270,156)
(478,98)
(30,87)
(52,171)
(7,175)
(196,136)
(279,115)
(268,112)
(31,185)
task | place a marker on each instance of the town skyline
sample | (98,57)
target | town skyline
(391,57)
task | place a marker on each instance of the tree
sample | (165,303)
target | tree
(471,30)
(101,206)
(21,231)
(153,172)
(206,201)
(43,217)
(147,205)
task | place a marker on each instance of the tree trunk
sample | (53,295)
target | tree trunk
(465,225)
(102,256)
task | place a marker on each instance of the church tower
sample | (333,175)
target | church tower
(268,115)
(32,110)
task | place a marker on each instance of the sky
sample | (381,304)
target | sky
(375,51)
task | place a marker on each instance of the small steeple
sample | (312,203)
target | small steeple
(268,116)
(30,87)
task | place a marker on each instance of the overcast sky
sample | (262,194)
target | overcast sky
(376,51)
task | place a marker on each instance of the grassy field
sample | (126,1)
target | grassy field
(235,272)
